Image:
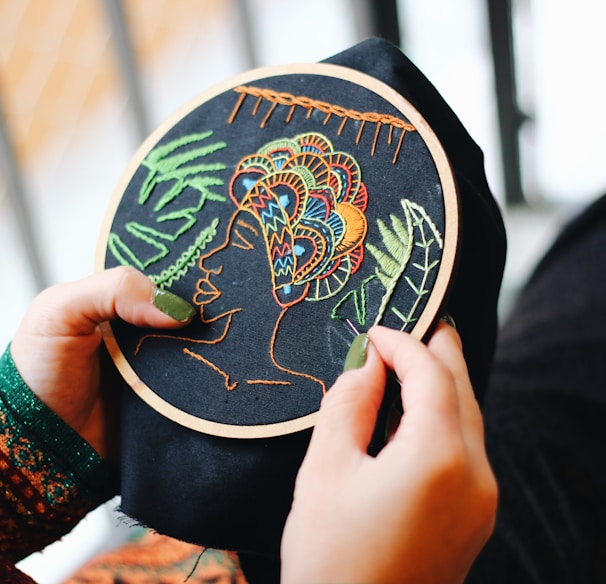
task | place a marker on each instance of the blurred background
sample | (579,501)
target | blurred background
(82,82)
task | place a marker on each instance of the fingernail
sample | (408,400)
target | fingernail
(356,356)
(173,305)
(449,320)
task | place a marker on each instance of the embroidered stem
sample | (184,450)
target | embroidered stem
(399,244)
(420,220)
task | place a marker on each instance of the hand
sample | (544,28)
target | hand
(57,346)
(419,512)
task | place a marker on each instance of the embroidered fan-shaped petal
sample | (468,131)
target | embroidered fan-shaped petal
(361,199)
(333,281)
(355,227)
(310,164)
(313,142)
(338,226)
(259,162)
(356,256)
(345,173)
(280,151)
(318,205)
(321,233)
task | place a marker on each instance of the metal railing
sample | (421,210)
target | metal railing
(372,18)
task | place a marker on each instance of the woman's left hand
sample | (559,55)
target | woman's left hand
(57,346)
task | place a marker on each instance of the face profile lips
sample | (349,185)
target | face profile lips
(207,293)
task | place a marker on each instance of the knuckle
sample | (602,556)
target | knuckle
(125,276)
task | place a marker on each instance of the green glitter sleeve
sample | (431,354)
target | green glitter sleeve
(50,476)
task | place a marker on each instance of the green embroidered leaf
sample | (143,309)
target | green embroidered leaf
(358,297)
(413,286)
(400,230)
(164,163)
(176,167)
(200,183)
(385,280)
(425,227)
(122,252)
(392,242)
(164,150)
(389,266)
(403,318)
(399,245)
(187,259)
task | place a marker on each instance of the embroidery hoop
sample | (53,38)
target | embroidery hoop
(433,305)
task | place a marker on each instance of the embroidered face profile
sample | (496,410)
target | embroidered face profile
(294,207)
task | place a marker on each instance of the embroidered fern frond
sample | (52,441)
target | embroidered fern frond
(173,161)
(400,229)
(387,264)
(173,168)
(391,264)
(399,242)
(200,183)
(429,235)
(188,258)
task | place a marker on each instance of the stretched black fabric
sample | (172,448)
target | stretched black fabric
(236,494)
(545,416)
(482,252)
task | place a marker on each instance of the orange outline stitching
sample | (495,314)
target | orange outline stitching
(292,101)
(266,382)
(214,368)
(189,339)
(246,245)
(285,369)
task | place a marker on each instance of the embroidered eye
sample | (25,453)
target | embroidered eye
(243,235)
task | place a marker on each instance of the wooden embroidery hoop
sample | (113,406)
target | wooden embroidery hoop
(431,310)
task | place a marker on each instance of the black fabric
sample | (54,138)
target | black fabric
(482,247)
(319,218)
(236,494)
(545,417)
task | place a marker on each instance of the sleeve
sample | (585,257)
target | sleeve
(50,476)
(545,413)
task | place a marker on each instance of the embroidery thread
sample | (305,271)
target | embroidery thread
(178,167)
(392,262)
(399,244)
(309,201)
(276,98)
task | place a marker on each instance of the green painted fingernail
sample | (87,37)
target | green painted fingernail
(356,356)
(173,305)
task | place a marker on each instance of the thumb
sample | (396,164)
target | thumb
(77,308)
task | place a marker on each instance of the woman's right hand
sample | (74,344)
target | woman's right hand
(421,510)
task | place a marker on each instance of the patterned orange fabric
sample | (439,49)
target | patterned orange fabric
(156,558)
(49,477)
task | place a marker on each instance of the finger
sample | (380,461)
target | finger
(427,383)
(77,308)
(348,412)
(446,345)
